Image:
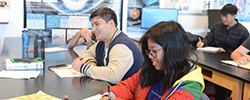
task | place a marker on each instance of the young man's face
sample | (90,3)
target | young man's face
(228,20)
(100,28)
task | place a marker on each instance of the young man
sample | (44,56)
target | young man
(114,57)
(227,34)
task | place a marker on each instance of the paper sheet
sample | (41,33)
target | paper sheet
(68,71)
(55,49)
(40,95)
(71,33)
(19,74)
(247,66)
(231,62)
(58,33)
(209,49)
(78,21)
(80,49)
(95,97)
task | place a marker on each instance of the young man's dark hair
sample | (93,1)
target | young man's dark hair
(105,13)
(229,9)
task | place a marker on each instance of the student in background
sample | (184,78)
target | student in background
(82,37)
(240,55)
(227,34)
(167,70)
(115,56)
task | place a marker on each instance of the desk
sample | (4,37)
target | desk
(47,81)
(246,91)
(227,76)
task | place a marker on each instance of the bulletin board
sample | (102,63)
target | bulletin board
(49,14)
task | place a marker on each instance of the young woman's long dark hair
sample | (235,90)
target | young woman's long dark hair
(176,61)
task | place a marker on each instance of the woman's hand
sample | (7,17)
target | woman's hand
(106,98)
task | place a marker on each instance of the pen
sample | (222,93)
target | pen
(199,39)
(64,68)
(240,53)
(109,93)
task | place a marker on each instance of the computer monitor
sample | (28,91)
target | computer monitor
(149,2)
(213,17)
(152,16)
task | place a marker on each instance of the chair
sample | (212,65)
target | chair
(204,96)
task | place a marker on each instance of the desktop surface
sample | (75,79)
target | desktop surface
(213,61)
(47,81)
(230,77)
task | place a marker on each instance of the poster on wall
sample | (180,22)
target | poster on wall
(243,14)
(49,14)
(188,6)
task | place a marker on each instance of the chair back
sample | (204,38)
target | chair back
(204,96)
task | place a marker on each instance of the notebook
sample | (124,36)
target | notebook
(209,49)
(231,62)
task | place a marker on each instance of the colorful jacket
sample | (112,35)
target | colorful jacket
(189,87)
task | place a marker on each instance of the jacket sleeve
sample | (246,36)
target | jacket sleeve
(208,40)
(89,54)
(120,61)
(125,90)
(244,37)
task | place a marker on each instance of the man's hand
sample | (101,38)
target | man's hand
(77,63)
(86,33)
(199,44)
(245,58)
(222,50)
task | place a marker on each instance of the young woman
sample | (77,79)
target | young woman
(167,71)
